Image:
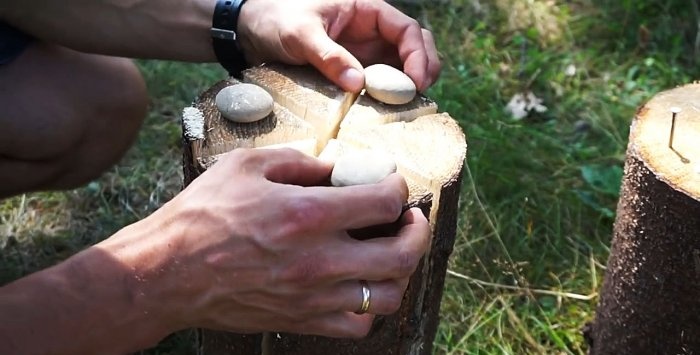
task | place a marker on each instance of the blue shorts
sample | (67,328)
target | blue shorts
(12,43)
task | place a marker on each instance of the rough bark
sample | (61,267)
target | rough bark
(650,298)
(650,301)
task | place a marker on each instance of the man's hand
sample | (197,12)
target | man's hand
(254,244)
(338,37)
(261,247)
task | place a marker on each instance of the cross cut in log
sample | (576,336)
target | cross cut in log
(312,115)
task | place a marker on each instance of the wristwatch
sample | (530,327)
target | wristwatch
(225,37)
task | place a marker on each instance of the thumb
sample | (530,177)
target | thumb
(334,61)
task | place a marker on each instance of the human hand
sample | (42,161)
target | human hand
(261,247)
(338,37)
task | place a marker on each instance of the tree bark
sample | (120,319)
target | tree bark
(650,297)
(314,116)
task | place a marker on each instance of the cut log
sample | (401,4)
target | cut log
(429,150)
(305,92)
(650,299)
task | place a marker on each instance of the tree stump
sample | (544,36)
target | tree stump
(650,300)
(314,116)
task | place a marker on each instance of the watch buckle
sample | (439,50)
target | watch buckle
(223,34)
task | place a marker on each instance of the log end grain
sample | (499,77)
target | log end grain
(678,165)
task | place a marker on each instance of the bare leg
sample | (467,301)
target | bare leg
(65,117)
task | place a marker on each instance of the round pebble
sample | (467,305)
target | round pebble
(389,85)
(360,168)
(244,103)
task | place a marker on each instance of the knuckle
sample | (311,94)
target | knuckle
(291,32)
(308,209)
(302,213)
(390,204)
(332,55)
(245,158)
(413,24)
(295,32)
(406,262)
(392,300)
(235,156)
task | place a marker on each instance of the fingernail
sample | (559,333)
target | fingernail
(352,79)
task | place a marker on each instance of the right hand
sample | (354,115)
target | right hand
(338,37)
(262,247)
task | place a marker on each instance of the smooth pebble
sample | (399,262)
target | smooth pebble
(244,103)
(389,85)
(360,168)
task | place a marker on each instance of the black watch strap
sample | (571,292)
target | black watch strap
(225,37)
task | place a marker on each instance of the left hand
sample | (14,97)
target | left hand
(338,37)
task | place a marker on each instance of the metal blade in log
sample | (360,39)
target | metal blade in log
(313,115)
(650,299)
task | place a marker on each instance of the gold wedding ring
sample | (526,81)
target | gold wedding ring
(366,294)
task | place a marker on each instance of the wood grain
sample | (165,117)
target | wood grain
(429,150)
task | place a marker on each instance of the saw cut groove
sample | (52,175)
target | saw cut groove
(428,148)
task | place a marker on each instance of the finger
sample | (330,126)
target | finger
(434,66)
(385,297)
(385,258)
(289,166)
(331,59)
(336,325)
(350,207)
(405,33)
(345,259)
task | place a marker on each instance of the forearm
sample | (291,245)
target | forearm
(165,29)
(98,301)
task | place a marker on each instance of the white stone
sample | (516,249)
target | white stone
(331,151)
(360,168)
(244,103)
(389,85)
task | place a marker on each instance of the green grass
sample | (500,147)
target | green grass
(539,194)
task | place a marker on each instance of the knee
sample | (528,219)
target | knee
(89,110)
(109,125)
(126,106)
(117,111)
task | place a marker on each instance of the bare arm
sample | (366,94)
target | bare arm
(333,35)
(99,301)
(164,29)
